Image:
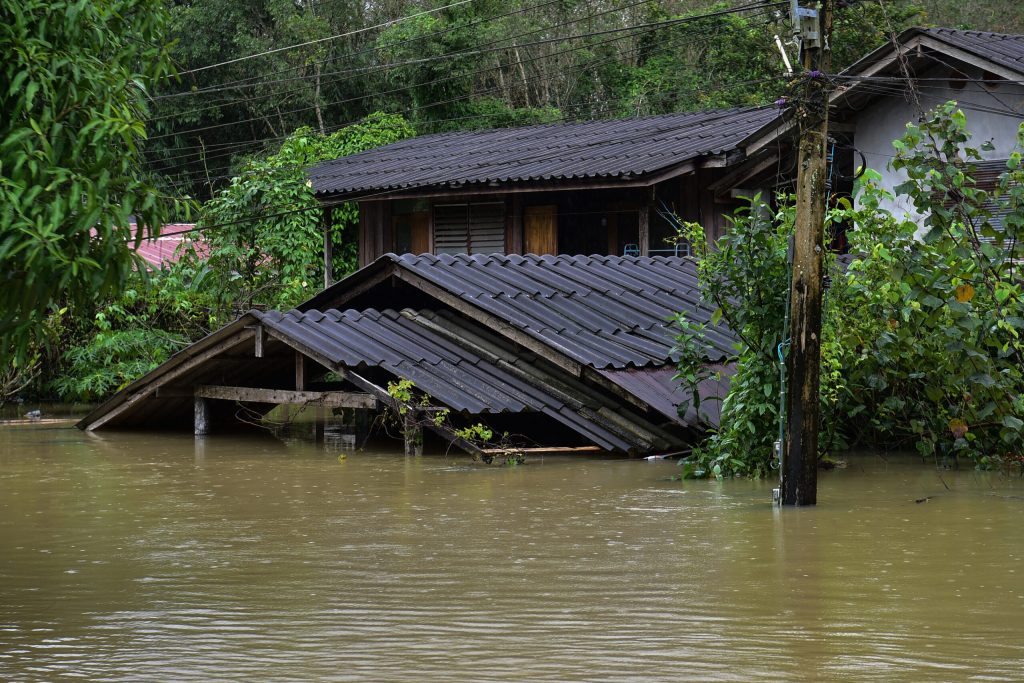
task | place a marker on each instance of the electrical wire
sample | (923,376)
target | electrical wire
(386,67)
(236,147)
(323,40)
(646,26)
(255,80)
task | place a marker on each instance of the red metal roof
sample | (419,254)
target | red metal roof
(163,250)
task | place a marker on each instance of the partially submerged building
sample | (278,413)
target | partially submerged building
(478,312)
(562,351)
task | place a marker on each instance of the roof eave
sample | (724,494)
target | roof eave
(624,180)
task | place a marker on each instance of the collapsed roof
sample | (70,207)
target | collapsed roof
(584,343)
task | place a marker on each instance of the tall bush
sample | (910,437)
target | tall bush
(264,231)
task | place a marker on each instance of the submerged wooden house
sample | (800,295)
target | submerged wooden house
(565,351)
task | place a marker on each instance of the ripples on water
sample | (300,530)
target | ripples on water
(131,557)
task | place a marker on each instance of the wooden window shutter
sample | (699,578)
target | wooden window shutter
(469,228)
(540,230)
(986,177)
(487,228)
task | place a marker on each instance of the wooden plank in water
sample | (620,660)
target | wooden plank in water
(552,449)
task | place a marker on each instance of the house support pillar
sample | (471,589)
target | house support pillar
(319,420)
(202,416)
(413,434)
(328,228)
(644,236)
(361,426)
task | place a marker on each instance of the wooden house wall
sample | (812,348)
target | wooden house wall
(584,221)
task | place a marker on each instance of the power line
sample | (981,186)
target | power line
(646,26)
(198,175)
(322,40)
(385,67)
(252,81)
(663,48)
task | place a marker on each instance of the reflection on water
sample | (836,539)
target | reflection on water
(135,557)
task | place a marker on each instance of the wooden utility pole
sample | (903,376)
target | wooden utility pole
(328,229)
(800,447)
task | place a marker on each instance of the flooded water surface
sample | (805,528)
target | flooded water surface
(137,557)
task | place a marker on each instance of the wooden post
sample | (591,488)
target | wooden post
(300,372)
(644,236)
(318,424)
(413,434)
(258,341)
(202,416)
(328,226)
(361,426)
(800,448)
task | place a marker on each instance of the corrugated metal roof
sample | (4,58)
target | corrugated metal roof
(601,311)
(594,149)
(999,48)
(659,388)
(451,368)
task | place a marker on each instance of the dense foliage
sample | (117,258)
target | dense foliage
(932,327)
(922,346)
(96,351)
(264,230)
(72,110)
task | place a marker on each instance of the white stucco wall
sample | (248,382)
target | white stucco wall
(886,119)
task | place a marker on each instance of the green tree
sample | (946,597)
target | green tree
(933,327)
(72,106)
(264,231)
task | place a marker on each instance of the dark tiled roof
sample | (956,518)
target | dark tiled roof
(459,365)
(999,48)
(601,311)
(595,149)
(395,342)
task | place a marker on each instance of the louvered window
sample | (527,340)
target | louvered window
(986,177)
(469,228)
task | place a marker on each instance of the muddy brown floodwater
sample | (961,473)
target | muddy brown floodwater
(128,557)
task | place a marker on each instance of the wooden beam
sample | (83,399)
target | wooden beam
(386,399)
(947,50)
(150,389)
(348,292)
(330,399)
(300,371)
(743,173)
(257,331)
(557,186)
(551,449)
